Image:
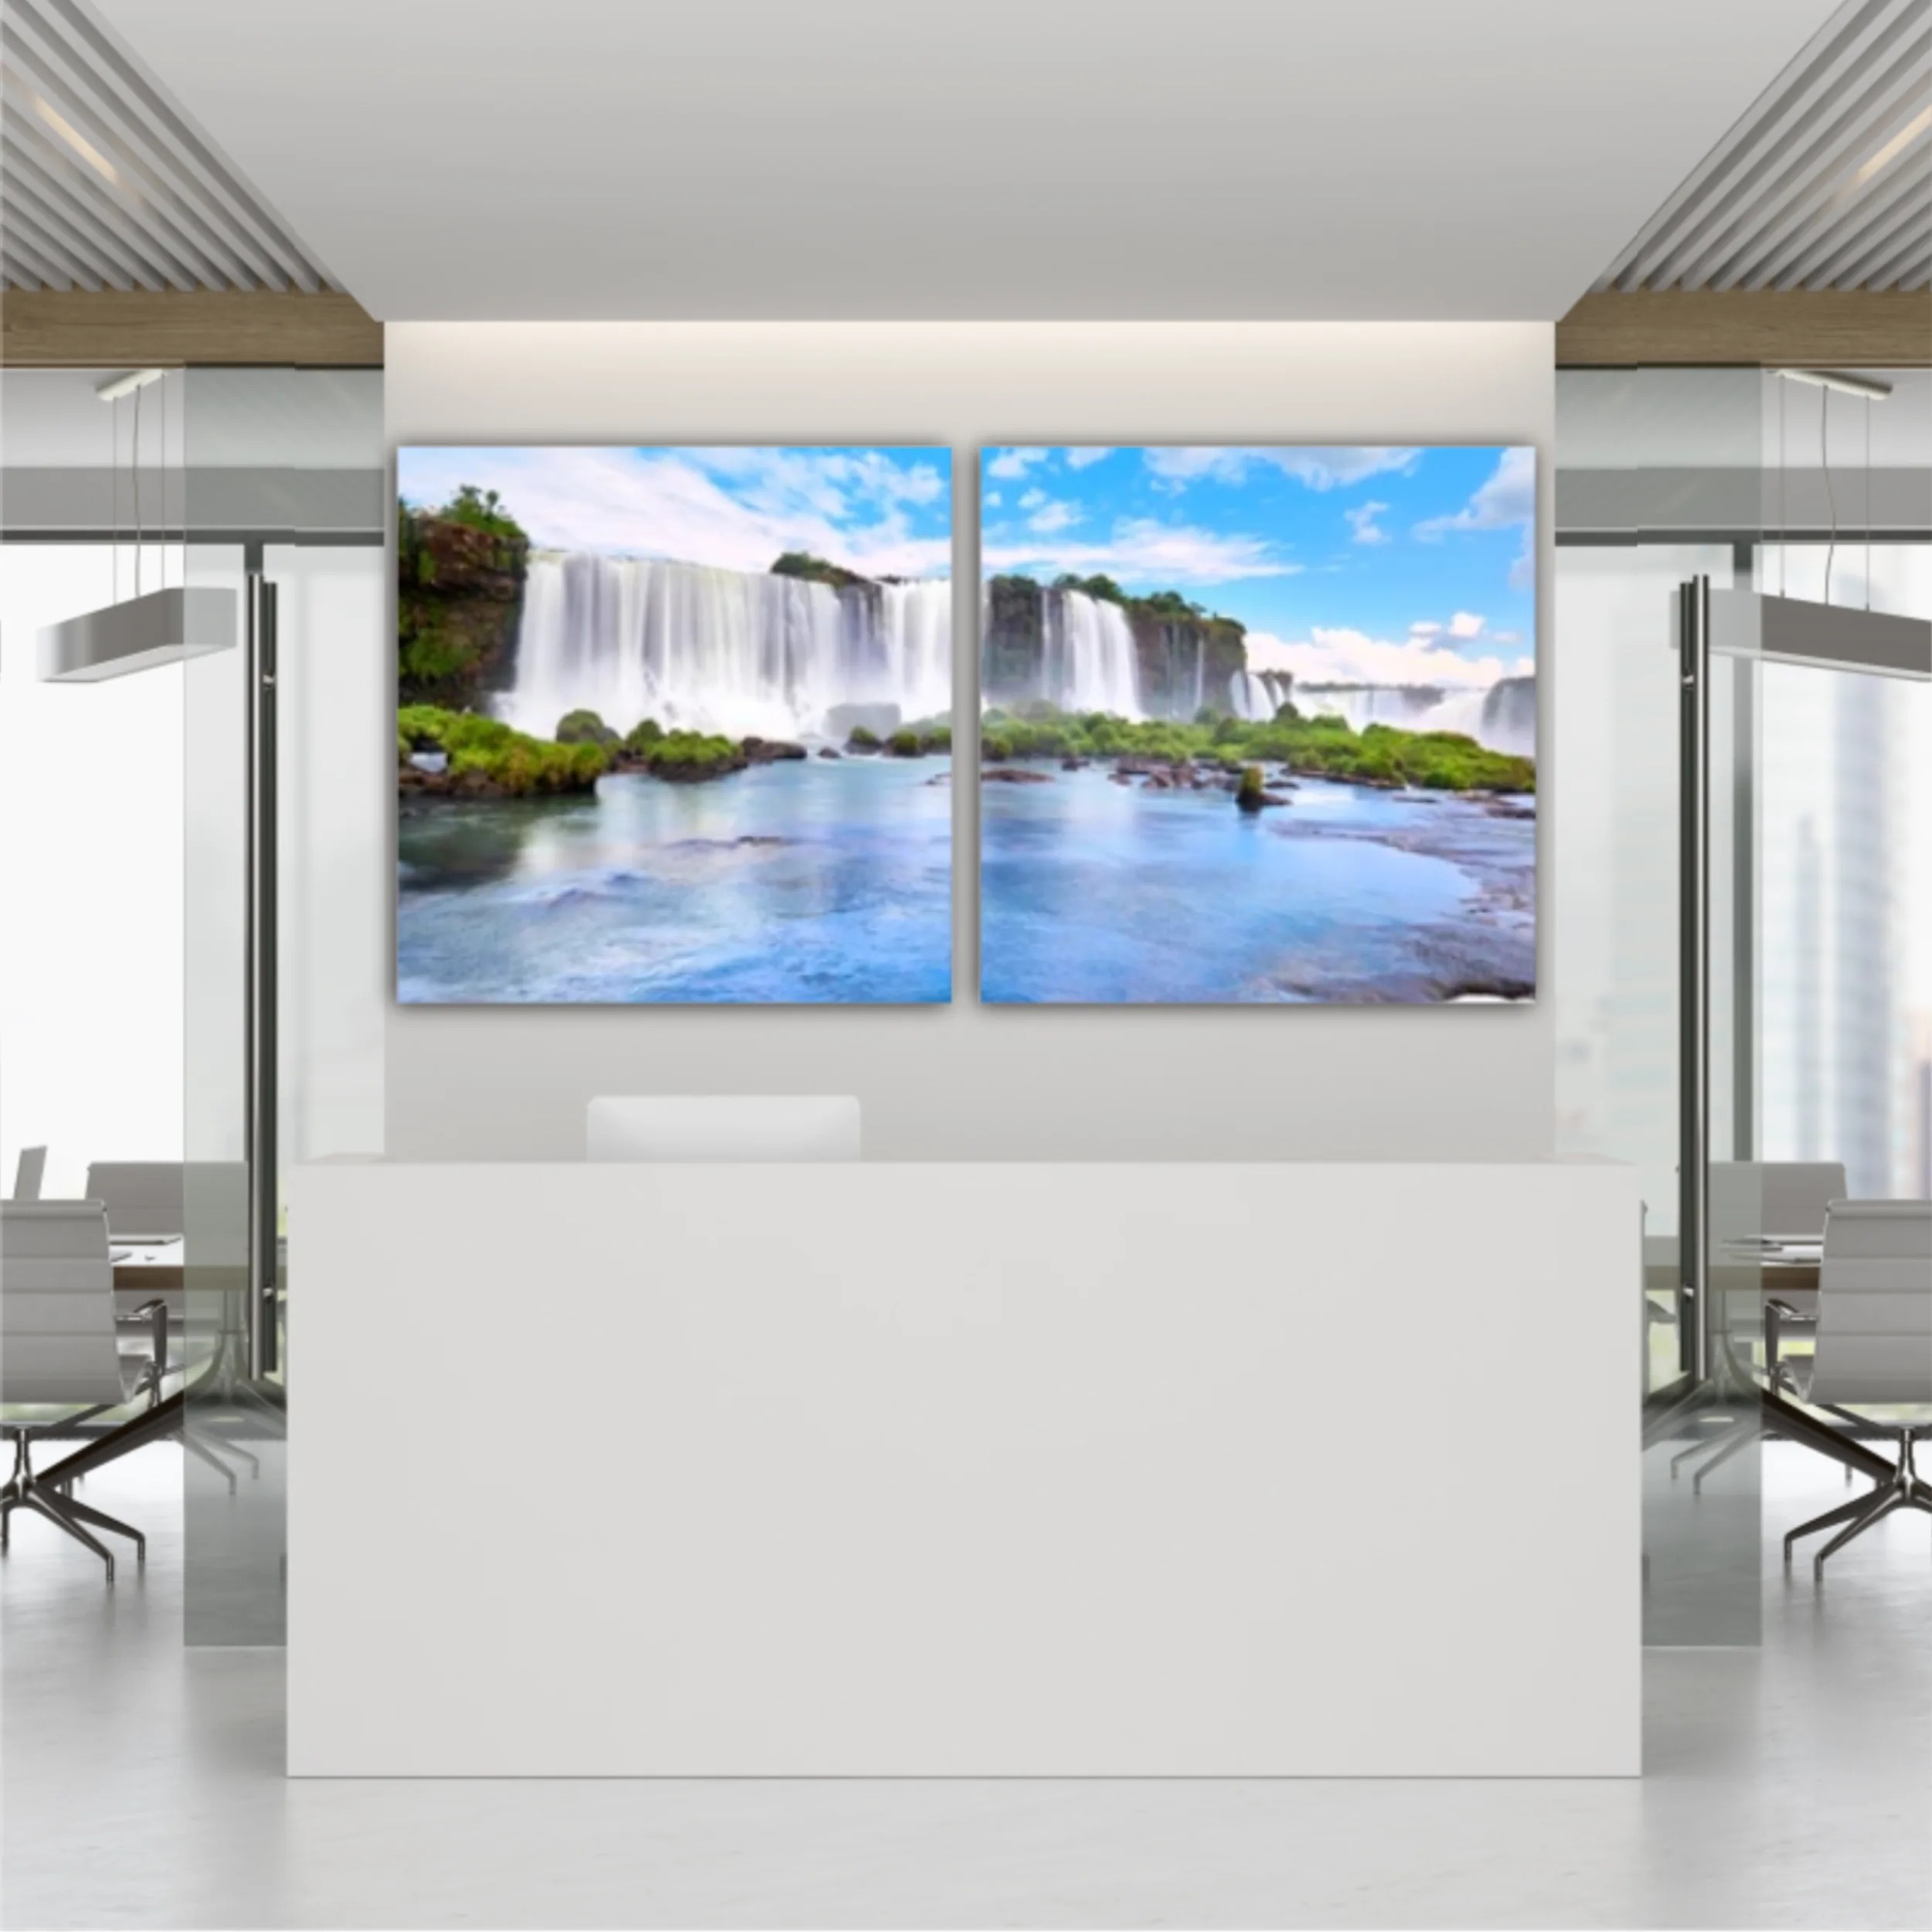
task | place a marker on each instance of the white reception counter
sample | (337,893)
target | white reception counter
(975,1469)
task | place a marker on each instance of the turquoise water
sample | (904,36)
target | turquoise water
(808,881)
(1092,891)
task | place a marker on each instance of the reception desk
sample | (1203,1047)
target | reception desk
(904,1469)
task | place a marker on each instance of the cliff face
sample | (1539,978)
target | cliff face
(1012,642)
(459,599)
(1185,662)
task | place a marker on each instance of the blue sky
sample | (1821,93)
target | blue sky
(882,511)
(1376,564)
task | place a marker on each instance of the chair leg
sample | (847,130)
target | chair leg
(40,1501)
(1856,1507)
(1748,1427)
(222,1447)
(1739,1439)
(100,1519)
(1883,1505)
(200,1449)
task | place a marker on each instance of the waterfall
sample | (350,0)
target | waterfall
(1257,695)
(1509,720)
(1087,658)
(735,651)
(1494,715)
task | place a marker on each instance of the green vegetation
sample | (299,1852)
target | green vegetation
(459,571)
(684,756)
(1321,747)
(921,738)
(642,736)
(815,569)
(1253,786)
(481,510)
(585,728)
(487,757)
(862,739)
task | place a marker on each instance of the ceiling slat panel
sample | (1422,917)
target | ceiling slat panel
(105,183)
(152,120)
(1819,185)
(1861,39)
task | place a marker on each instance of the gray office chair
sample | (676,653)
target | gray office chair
(1749,1200)
(27,1173)
(58,1345)
(1873,1349)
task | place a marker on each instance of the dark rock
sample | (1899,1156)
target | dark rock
(771,751)
(826,751)
(1013,775)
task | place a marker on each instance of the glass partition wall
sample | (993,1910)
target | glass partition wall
(286,899)
(176,830)
(1734,907)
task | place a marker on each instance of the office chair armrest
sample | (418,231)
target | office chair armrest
(156,1312)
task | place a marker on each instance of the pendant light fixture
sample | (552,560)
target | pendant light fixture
(163,626)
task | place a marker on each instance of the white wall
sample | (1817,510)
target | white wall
(967,1081)
(90,885)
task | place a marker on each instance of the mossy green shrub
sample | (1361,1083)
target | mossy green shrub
(861,739)
(683,756)
(1253,786)
(495,758)
(584,727)
(642,736)
(815,569)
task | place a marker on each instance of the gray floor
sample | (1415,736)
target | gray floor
(1788,1786)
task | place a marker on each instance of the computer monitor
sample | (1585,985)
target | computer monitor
(733,1127)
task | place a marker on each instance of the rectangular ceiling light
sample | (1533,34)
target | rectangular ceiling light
(165,626)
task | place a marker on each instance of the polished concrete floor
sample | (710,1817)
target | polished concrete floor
(1787,1785)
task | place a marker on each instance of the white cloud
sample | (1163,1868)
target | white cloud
(1361,521)
(1320,468)
(852,509)
(1425,629)
(1033,499)
(1465,624)
(1087,455)
(1506,501)
(1340,656)
(990,499)
(1142,551)
(1053,516)
(1013,463)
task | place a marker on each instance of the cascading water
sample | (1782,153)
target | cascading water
(1087,655)
(735,651)
(1496,715)
(1257,695)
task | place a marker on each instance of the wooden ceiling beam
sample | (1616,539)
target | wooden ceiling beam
(49,328)
(1763,328)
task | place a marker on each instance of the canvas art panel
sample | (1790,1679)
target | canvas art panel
(674,724)
(1258,724)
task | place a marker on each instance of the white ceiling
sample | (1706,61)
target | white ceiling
(1018,159)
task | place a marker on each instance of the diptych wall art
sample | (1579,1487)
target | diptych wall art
(674,724)
(1257,724)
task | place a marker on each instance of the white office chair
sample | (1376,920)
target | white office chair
(27,1173)
(1748,1200)
(147,1201)
(58,1345)
(1874,1348)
